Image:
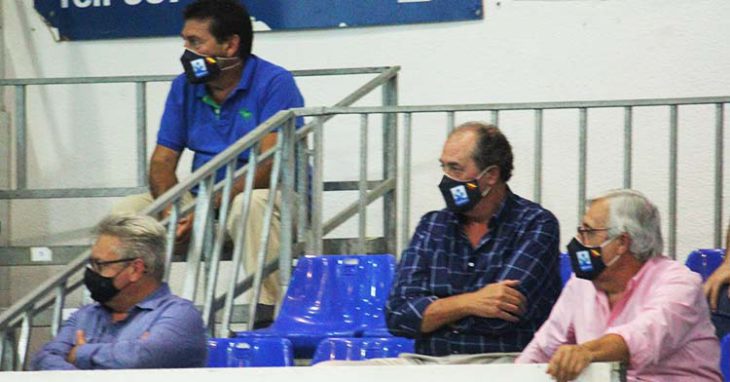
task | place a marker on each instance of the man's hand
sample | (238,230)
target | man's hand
(712,286)
(499,300)
(80,340)
(568,362)
(184,227)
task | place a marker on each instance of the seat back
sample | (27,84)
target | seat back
(376,274)
(322,295)
(357,349)
(336,293)
(565,268)
(705,261)
(250,352)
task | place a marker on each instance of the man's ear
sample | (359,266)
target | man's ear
(624,243)
(493,175)
(138,270)
(233,43)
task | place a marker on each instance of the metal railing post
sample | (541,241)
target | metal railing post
(58,304)
(24,340)
(537,183)
(390,166)
(315,246)
(450,122)
(582,161)
(719,158)
(141,133)
(628,144)
(304,192)
(288,206)
(406,185)
(673,155)
(21,130)
(171,236)
(199,234)
(265,234)
(220,236)
(239,241)
(363,185)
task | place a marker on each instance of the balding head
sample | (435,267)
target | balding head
(486,144)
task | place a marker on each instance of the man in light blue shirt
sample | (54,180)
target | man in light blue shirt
(136,322)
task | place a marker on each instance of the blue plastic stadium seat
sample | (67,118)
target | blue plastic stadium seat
(250,352)
(725,358)
(565,269)
(332,296)
(705,261)
(356,349)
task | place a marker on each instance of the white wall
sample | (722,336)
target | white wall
(521,51)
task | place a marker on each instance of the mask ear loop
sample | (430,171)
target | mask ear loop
(615,259)
(481,174)
(237,64)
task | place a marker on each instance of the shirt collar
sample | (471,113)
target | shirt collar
(641,273)
(504,208)
(243,84)
(155,298)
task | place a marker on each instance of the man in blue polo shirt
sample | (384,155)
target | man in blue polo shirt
(225,93)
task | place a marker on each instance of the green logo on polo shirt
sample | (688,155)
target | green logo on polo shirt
(245,113)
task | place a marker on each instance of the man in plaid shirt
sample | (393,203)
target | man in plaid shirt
(481,275)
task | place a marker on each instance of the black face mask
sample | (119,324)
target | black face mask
(102,288)
(587,262)
(462,196)
(199,68)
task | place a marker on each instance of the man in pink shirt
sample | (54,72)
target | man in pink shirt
(627,302)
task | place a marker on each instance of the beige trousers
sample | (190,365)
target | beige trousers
(253,229)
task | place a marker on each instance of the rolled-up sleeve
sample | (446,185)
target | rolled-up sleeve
(558,330)
(662,326)
(175,339)
(411,293)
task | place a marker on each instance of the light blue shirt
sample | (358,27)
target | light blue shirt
(162,331)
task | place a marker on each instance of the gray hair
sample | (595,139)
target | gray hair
(140,236)
(632,213)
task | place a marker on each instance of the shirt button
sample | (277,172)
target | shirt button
(455,331)
(470,264)
(454,352)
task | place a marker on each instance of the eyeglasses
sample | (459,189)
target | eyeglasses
(98,266)
(586,232)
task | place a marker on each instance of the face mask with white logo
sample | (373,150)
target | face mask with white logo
(587,262)
(462,196)
(201,69)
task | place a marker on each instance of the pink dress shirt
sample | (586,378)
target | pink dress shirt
(663,317)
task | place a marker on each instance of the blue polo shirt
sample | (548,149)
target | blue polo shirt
(193,120)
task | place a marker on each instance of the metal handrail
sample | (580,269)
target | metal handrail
(327,111)
(23,192)
(24,310)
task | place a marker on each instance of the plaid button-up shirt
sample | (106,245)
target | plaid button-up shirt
(521,244)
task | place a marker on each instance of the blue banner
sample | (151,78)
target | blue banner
(104,19)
